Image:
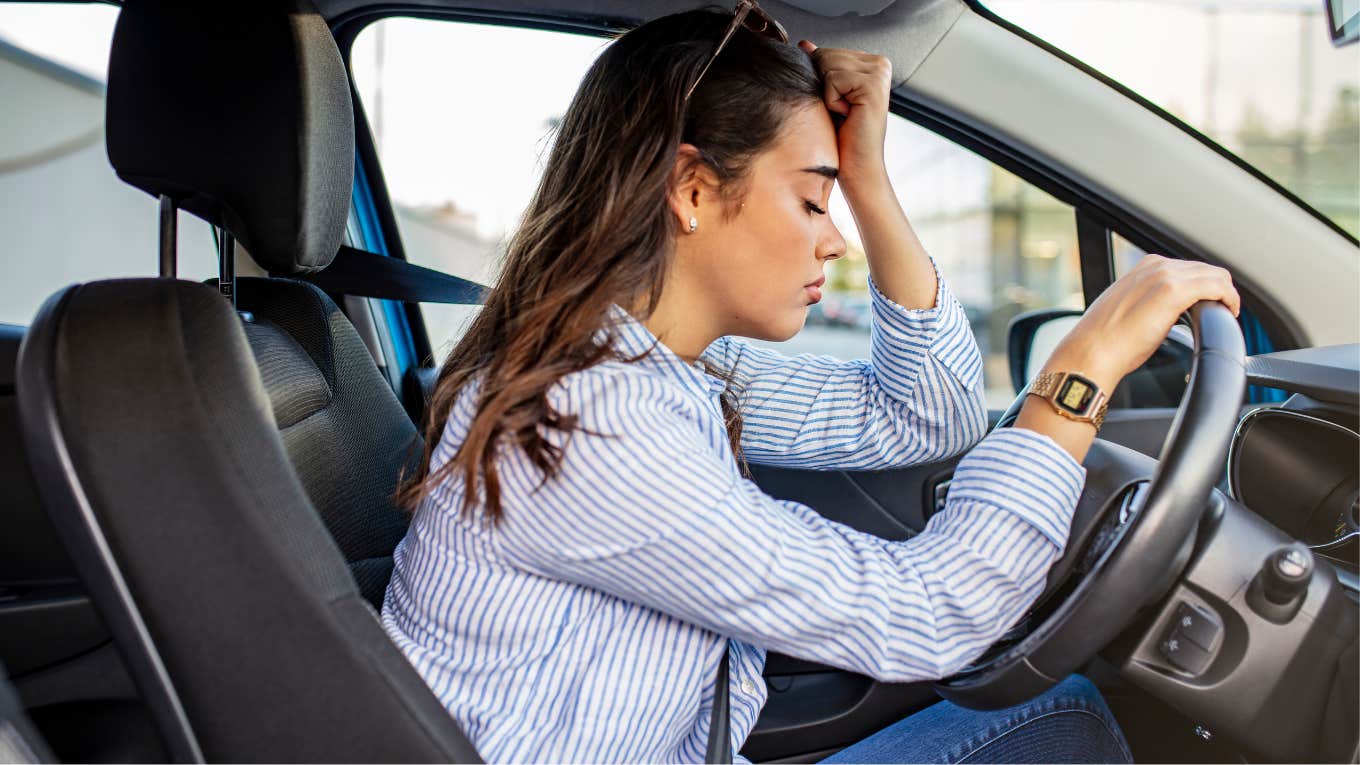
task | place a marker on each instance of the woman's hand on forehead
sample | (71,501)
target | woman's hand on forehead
(855,84)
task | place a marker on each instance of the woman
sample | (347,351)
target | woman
(585,548)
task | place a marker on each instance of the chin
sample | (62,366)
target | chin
(786,327)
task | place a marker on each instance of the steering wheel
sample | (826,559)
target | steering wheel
(1132,533)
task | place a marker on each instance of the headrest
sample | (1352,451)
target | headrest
(241,112)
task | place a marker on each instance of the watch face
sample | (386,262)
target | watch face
(1075,394)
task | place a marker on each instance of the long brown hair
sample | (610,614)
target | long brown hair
(599,230)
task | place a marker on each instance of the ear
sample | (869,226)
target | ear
(694,186)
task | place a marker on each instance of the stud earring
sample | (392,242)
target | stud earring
(693,224)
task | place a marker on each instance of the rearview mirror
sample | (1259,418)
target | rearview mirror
(1160,382)
(1343,21)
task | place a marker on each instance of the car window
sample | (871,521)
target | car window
(1259,77)
(66,217)
(1126,254)
(461,160)
(458,185)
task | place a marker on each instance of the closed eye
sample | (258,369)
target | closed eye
(812,207)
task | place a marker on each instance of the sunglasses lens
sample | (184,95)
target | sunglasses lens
(761,24)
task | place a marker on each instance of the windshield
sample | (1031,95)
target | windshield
(1259,77)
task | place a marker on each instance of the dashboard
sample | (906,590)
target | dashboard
(1298,464)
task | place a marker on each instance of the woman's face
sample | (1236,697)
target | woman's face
(756,267)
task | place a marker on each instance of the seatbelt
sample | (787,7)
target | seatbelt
(367,274)
(719,725)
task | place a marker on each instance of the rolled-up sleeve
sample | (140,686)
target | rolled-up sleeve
(917,399)
(646,509)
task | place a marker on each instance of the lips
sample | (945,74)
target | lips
(814,290)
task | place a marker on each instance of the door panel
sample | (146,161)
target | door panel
(813,708)
(810,716)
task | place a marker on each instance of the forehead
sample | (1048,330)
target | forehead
(807,139)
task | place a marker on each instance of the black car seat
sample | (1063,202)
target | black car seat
(259,138)
(53,644)
(344,430)
(158,448)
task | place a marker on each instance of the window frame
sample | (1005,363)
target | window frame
(1099,211)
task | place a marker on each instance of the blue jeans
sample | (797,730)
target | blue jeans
(1068,723)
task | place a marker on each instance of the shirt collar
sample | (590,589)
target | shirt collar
(632,338)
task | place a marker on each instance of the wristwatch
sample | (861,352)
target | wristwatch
(1072,395)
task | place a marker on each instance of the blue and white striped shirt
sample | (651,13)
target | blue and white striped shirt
(589,624)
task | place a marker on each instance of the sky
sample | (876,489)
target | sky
(76,36)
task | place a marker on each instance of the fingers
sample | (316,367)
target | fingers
(844,88)
(1201,281)
(1212,286)
(834,101)
(850,77)
(845,59)
(1186,282)
(836,92)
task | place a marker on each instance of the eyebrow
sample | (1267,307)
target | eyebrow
(822,170)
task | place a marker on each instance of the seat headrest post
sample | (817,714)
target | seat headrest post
(226,265)
(169,238)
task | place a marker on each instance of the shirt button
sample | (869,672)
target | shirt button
(748,687)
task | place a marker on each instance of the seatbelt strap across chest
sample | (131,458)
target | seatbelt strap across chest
(720,724)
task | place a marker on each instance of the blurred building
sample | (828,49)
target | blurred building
(66,217)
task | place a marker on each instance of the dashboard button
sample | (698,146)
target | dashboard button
(1196,624)
(1184,654)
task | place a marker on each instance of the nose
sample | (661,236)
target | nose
(831,245)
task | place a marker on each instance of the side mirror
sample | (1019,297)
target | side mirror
(1031,338)
(1160,382)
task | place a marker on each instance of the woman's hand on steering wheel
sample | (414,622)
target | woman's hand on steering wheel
(1131,318)
(1120,330)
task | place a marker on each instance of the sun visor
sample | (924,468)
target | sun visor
(835,8)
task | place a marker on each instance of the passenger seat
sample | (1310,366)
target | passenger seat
(347,435)
(194,459)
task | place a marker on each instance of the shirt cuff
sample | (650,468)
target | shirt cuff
(900,335)
(1026,473)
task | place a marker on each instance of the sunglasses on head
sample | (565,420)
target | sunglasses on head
(747,14)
